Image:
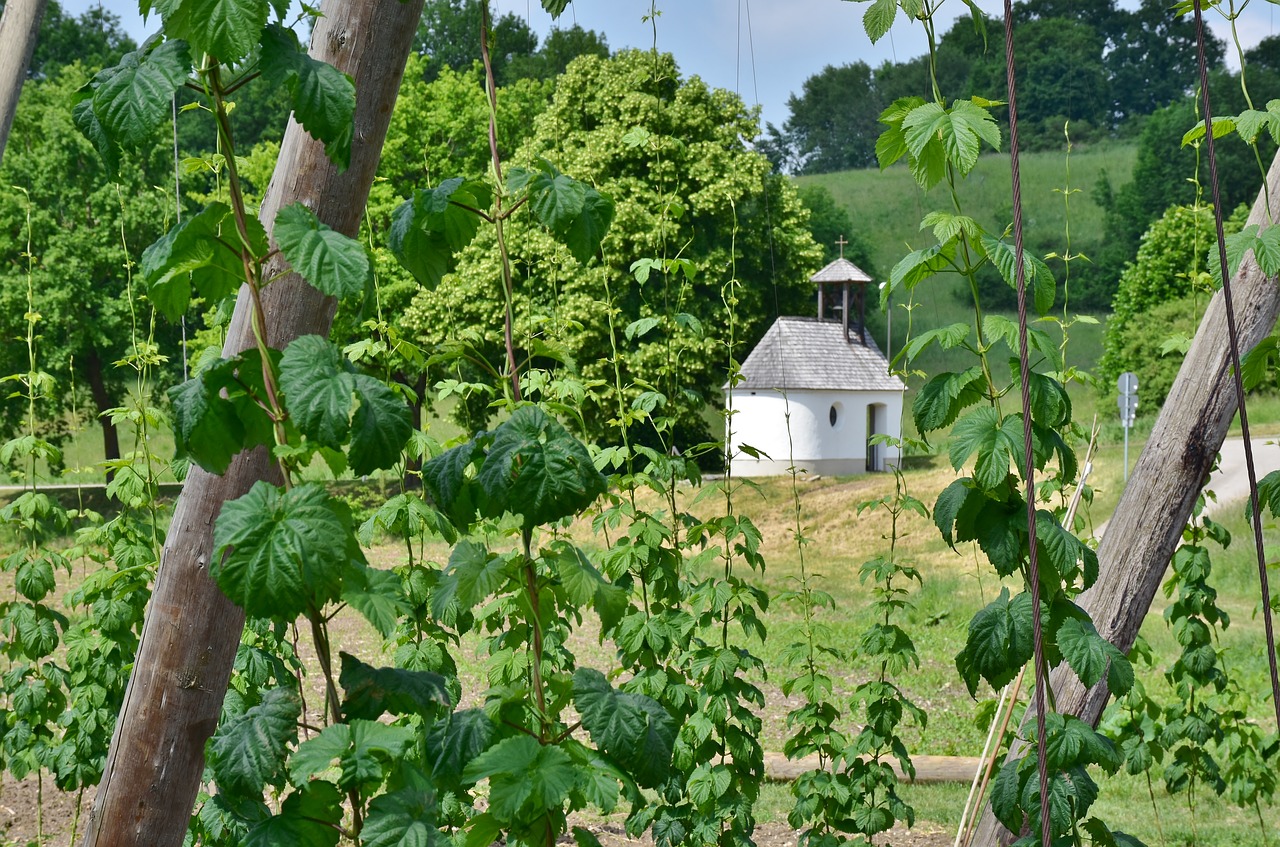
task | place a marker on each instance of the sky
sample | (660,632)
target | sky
(763,50)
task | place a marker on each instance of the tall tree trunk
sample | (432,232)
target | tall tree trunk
(19,27)
(102,400)
(1173,467)
(192,630)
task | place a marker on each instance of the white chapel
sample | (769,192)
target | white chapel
(827,373)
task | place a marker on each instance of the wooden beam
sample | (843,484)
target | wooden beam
(19,28)
(192,630)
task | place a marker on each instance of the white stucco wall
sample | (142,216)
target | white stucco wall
(815,445)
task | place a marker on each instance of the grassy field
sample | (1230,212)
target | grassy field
(955,585)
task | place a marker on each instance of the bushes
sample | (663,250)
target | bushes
(1151,348)
(1161,297)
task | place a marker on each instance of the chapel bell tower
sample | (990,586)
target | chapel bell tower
(842,287)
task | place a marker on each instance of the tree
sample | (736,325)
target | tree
(1061,75)
(1164,171)
(79,215)
(95,39)
(192,630)
(559,48)
(671,153)
(1152,59)
(829,223)
(1264,55)
(834,123)
(448,36)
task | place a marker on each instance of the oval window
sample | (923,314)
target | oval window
(833,415)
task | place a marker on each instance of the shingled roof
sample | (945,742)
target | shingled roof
(805,353)
(841,270)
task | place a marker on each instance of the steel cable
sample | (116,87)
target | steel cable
(1042,676)
(1234,341)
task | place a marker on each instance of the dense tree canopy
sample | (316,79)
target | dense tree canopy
(95,38)
(671,153)
(449,37)
(834,122)
(1090,62)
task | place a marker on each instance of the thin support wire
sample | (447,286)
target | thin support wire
(1042,676)
(1234,340)
(177,212)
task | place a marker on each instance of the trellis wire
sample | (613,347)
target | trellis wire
(1234,345)
(177,211)
(1042,677)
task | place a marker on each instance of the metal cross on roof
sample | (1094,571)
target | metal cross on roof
(840,241)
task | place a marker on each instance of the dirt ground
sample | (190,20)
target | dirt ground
(19,823)
(23,816)
(924,834)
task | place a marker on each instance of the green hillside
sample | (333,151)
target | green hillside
(887,206)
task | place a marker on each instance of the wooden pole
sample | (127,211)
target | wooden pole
(1147,525)
(192,631)
(19,28)
(844,310)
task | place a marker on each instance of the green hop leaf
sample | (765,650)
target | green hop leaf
(429,229)
(206,426)
(1091,656)
(537,469)
(201,251)
(944,397)
(332,262)
(577,214)
(999,641)
(364,750)
(309,817)
(453,743)
(380,428)
(405,817)
(249,750)
(878,19)
(631,729)
(86,120)
(585,585)
(526,779)
(995,441)
(319,386)
(279,554)
(324,98)
(1037,277)
(329,404)
(377,595)
(372,692)
(132,99)
(35,579)
(226,29)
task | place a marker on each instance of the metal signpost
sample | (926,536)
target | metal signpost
(1128,401)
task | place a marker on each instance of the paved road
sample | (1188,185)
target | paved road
(1231,482)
